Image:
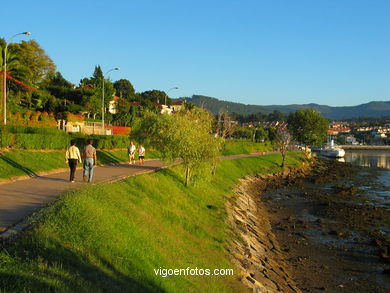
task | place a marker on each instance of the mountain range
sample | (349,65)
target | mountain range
(371,109)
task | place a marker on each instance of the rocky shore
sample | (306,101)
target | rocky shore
(307,231)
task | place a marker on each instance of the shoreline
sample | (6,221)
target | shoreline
(325,240)
(366,147)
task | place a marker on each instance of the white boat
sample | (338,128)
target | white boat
(330,150)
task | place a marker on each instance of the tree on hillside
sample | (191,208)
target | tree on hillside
(276,115)
(185,135)
(94,85)
(124,89)
(308,127)
(35,59)
(156,96)
(15,68)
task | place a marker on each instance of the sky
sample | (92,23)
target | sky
(332,52)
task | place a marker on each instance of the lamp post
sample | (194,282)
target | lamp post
(116,68)
(166,94)
(5,75)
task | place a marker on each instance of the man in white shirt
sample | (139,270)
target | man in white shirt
(131,153)
(141,154)
(72,156)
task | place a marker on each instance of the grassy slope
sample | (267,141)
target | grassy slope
(110,237)
(246,147)
(22,162)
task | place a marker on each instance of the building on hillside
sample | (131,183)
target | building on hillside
(178,105)
(165,109)
(113,105)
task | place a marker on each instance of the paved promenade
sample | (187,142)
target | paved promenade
(21,198)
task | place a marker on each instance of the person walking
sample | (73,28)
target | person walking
(131,153)
(89,155)
(141,154)
(72,156)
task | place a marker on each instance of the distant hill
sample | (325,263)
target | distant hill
(371,109)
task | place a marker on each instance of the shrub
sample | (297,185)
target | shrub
(102,141)
(40,141)
(37,130)
(5,139)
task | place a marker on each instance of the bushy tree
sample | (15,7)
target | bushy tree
(185,135)
(33,57)
(308,127)
(124,89)
(156,96)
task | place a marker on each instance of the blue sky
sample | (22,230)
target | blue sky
(334,52)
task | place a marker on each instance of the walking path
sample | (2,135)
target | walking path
(22,198)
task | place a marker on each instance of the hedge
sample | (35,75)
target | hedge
(5,139)
(102,142)
(30,129)
(40,141)
(25,137)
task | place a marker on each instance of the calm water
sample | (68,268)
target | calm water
(374,180)
(377,159)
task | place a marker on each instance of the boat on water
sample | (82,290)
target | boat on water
(332,151)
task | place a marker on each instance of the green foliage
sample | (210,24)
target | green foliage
(185,135)
(40,141)
(124,89)
(37,130)
(243,132)
(33,57)
(156,96)
(102,141)
(308,127)
(5,139)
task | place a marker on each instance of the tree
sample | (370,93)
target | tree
(276,115)
(283,140)
(260,134)
(185,135)
(308,127)
(93,89)
(156,96)
(225,126)
(124,89)
(33,57)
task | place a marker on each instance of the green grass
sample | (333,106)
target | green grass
(237,147)
(111,237)
(23,162)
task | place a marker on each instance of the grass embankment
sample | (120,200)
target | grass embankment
(111,237)
(246,147)
(24,162)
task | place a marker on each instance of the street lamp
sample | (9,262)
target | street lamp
(166,93)
(5,74)
(116,68)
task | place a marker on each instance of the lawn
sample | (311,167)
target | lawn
(236,147)
(111,237)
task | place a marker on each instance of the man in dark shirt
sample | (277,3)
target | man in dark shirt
(89,155)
